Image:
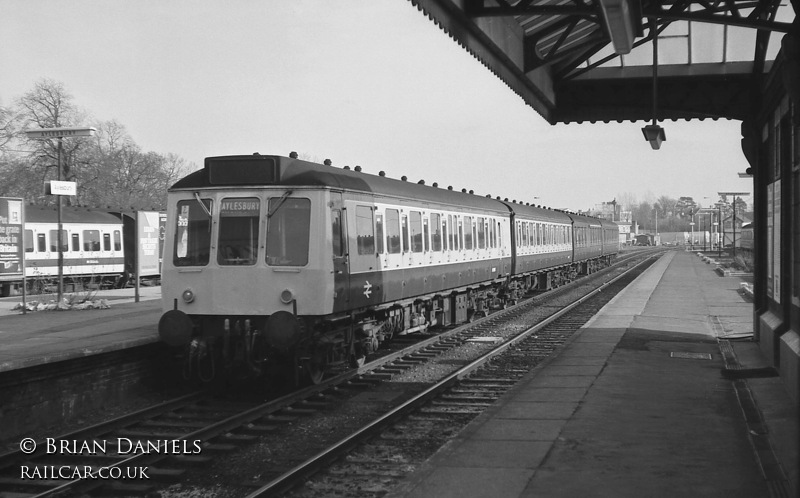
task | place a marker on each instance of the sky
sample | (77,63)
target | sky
(373,83)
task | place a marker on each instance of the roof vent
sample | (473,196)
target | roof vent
(292,154)
(449,187)
(435,185)
(327,162)
(404,178)
(358,168)
(346,167)
(421,182)
(381,173)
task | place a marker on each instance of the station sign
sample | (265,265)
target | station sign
(11,239)
(45,133)
(55,187)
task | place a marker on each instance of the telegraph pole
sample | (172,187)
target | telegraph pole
(60,188)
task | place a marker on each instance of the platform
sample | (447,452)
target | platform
(635,405)
(41,337)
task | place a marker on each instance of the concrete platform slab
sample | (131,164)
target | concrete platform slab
(644,421)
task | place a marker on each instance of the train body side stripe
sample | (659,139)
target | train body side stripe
(82,262)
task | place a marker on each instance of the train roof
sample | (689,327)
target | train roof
(47,214)
(608,223)
(264,171)
(538,213)
(583,220)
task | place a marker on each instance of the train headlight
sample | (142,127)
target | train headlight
(287,296)
(188,296)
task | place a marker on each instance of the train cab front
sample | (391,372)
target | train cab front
(238,271)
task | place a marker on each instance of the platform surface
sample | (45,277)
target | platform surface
(633,406)
(41,337)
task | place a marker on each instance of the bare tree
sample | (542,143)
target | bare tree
(109,168)
(49,105)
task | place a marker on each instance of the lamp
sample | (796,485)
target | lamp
(620,24)
(652,132)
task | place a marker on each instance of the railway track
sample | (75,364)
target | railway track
(213,428)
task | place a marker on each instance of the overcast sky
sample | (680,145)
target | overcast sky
(363,82)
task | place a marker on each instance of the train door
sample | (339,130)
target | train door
(341,270)
(363,255)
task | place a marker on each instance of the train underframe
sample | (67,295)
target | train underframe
(299,349)
(40,285)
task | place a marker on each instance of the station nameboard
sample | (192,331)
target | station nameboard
(55,187)
(45,133)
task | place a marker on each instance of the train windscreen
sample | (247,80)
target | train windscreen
(238,231)
(288,230)
(192,233)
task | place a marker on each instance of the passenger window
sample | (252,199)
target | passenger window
(238,231)
(436,235)
(425,234)
(28,240)
(415,223)
(54,241)
(192,233)
(463,229)
(336,233)
(76,242)
(91,240)
(404,228)
(117,241)
(449,229)
(106,241)
(379,231)
(365,238)
(288,231)
(393,231)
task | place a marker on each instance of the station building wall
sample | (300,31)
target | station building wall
(771,143)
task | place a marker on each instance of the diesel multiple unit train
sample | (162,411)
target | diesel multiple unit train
(98,248)
(273,262)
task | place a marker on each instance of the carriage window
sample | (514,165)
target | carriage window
(238,231)
(436,236)
(379,231)
(91,240)
(365,238)
(425,234)
(499,235)
(337,237)
(288,230)
(449,227)
(416,231)
(54,241)
(106,241)
(76,242)
(117,241)
(28,240)
(393,231)
(404,227)
(192,233)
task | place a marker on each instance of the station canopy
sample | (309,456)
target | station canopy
(593,60)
